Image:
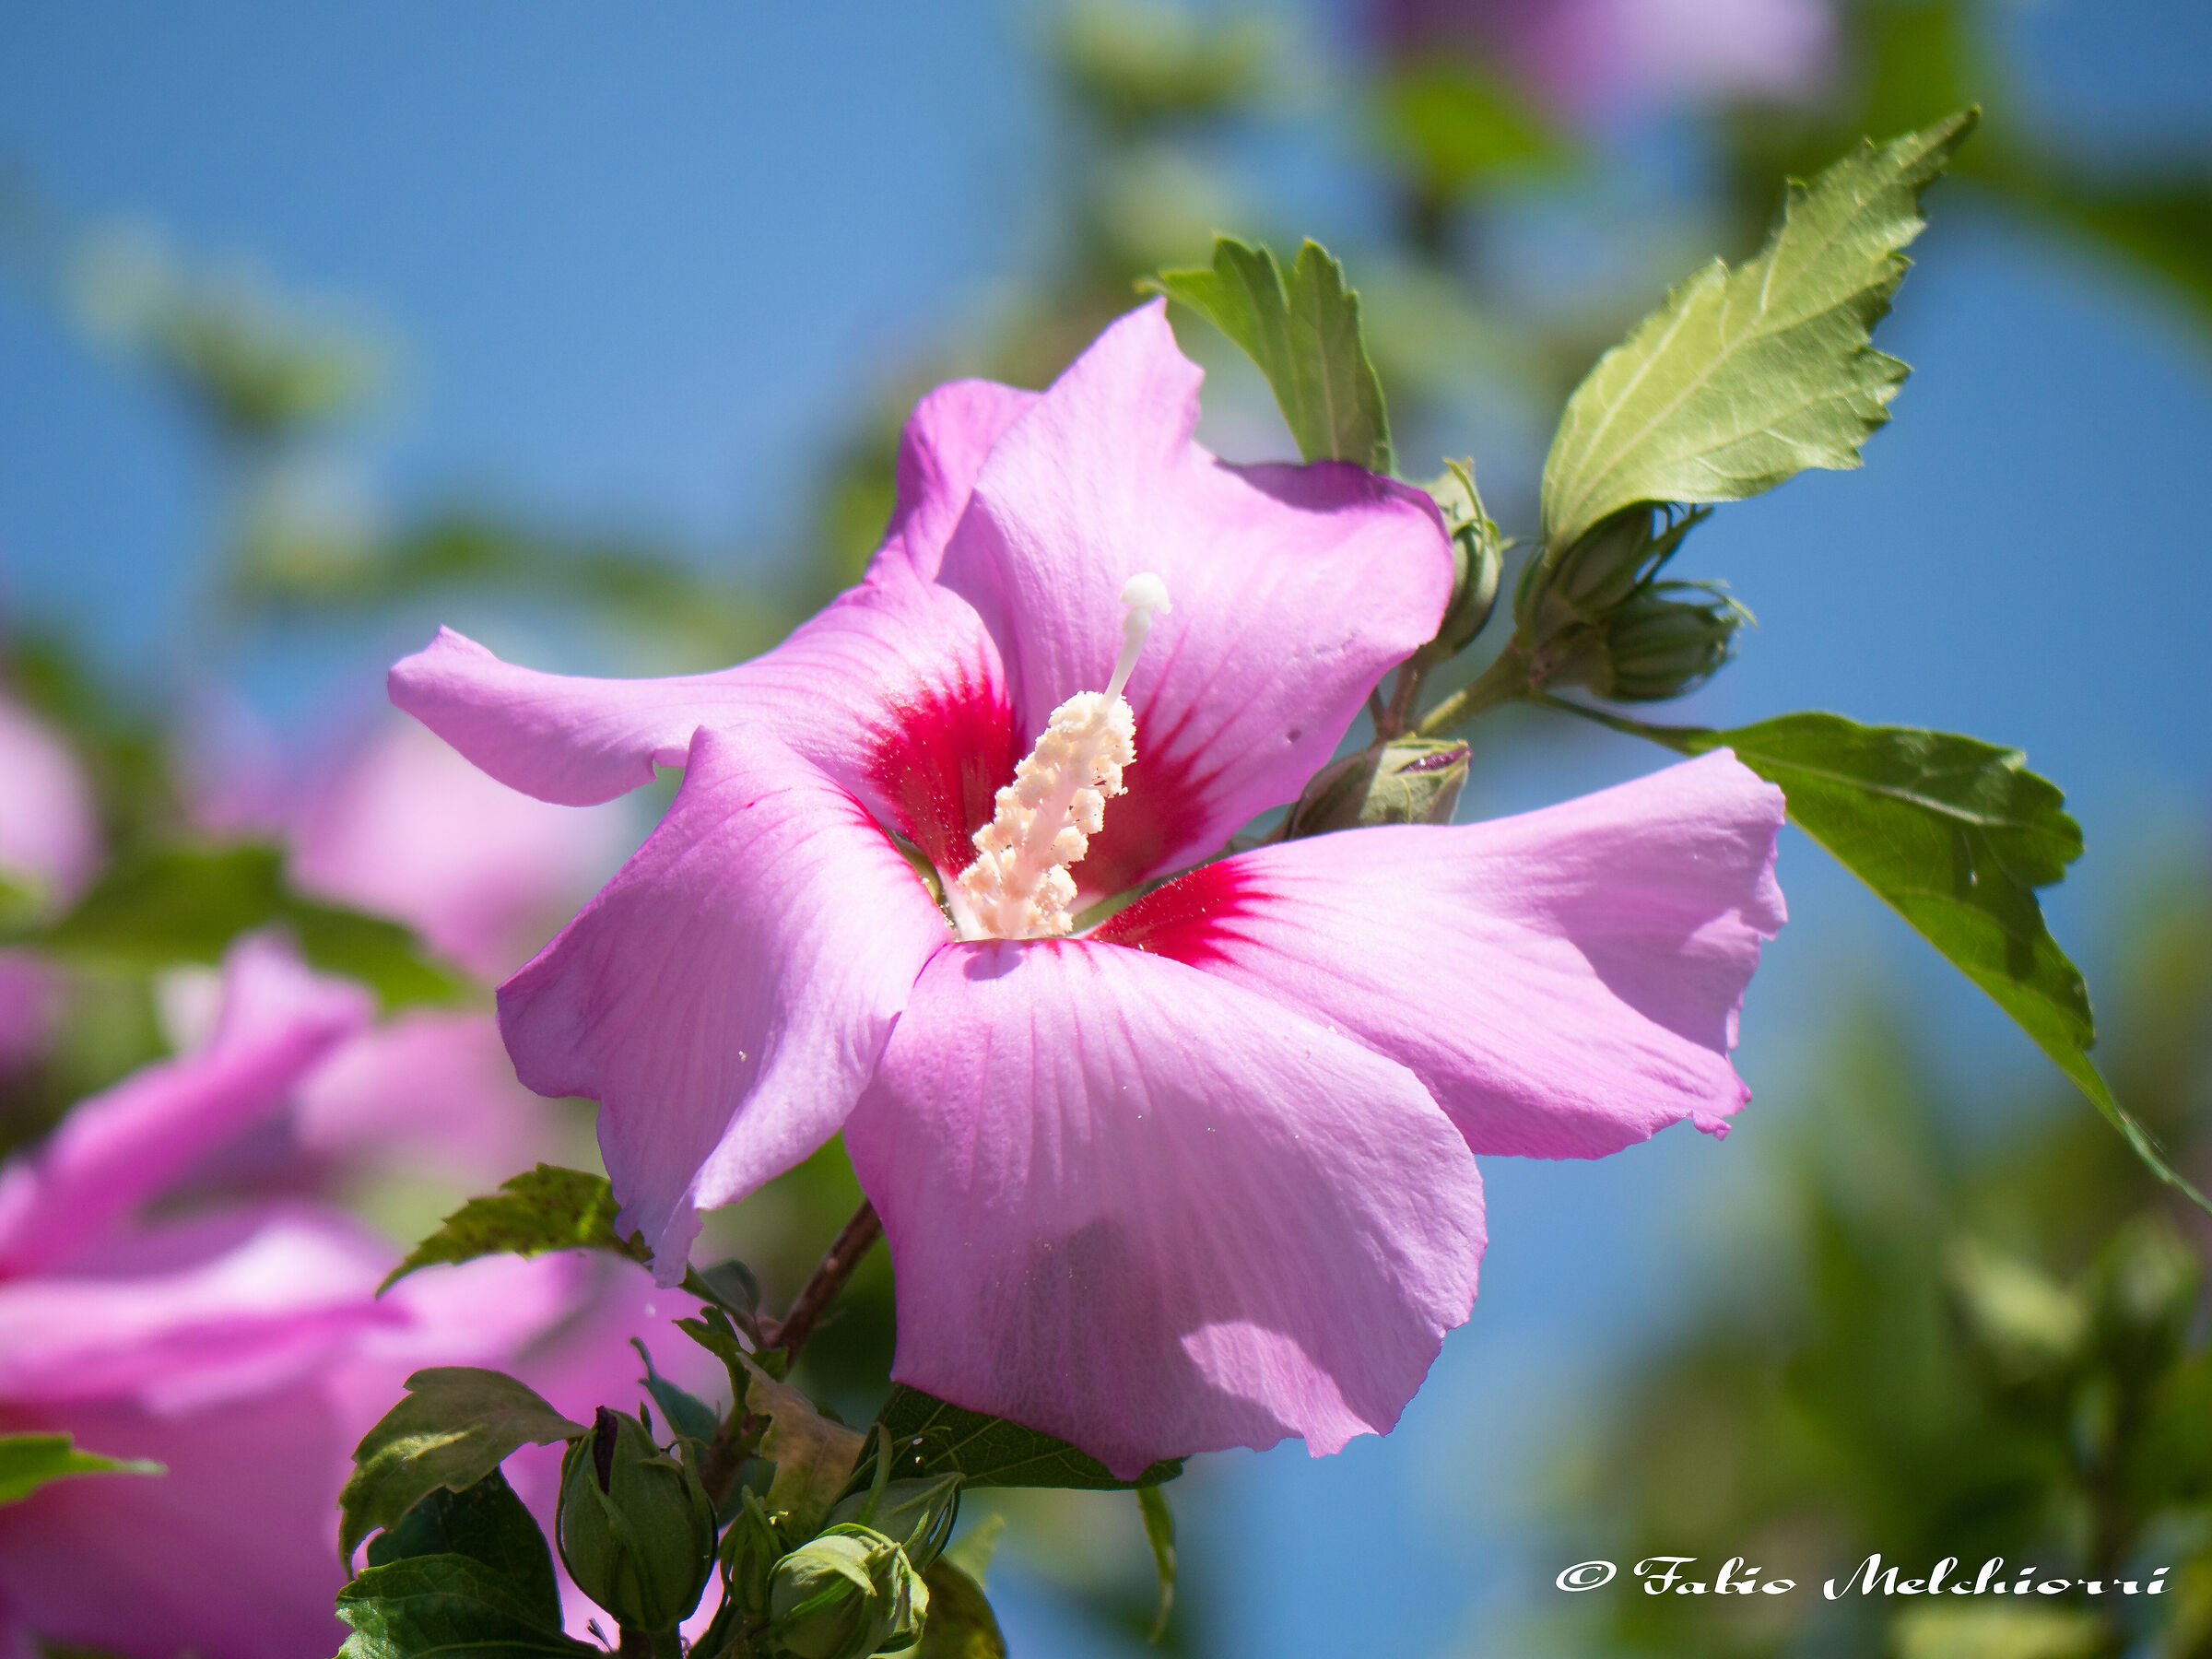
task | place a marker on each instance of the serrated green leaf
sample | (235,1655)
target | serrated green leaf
(542,1209)
(488,1523)
(186,904)
(1159,1532)
(30,1460)
(1955,835)
(456,1425)
(433,1607)
(960,1624)
(1305,338)
(1742,378)
(932,1437)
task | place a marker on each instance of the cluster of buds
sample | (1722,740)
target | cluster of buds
(1595,614)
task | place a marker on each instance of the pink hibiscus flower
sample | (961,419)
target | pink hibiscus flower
(1202,1175)
(246,1349)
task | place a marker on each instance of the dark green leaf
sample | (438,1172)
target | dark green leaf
(433,1606)
(488,1523)
(1304,336)
(1955,835)
(542,1209)
(186,904)
(29,1460)
(960,1624)
(457,1424)
(1159,1532)
(931,1437)
(1741,378)
(687,1414)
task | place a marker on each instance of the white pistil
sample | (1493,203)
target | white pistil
(1019,887)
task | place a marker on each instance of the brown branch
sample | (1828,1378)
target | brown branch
(813,1301)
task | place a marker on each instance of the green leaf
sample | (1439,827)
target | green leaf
(1159,1532)
(813,1457)
(1741,378)
(1458,127)
(1955,835)
(542,1209)
(429,1606)
(186,904)
(30,1460)
(488,1523)
(1304,336)
(972,1550)
(456,1425)
(960,1624)
(932,1437)
(688,1416)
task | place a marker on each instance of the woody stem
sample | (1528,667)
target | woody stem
(830,1276)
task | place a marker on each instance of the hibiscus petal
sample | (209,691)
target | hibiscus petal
(1136,1207)
(724,998)
(942,448)
(1294,590)
(116,1150)
(1564,983)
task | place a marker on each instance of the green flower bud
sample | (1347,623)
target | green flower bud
(750,1549)
(636,1528)
(848,1594)
(1655,644)
(1408,781)
(916,1514)
(1477,562)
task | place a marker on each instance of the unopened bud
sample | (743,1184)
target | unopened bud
(1406,781)
(1664,640)
(916,1514)
(636,1528)
(1478,561)
(848,1594)
(750,1549)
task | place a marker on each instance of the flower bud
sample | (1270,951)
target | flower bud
(1408,780)
(917,1515)
(636,1528)
(848,1594)
(1478,561)
(1655,644)
(750,1549)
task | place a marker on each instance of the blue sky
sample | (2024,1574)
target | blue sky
(643,271)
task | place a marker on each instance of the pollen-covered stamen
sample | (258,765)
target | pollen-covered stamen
(1019,887)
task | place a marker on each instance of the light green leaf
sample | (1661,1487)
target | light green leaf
(542,1209)
(960,1624)
(1955,835)
(1741,378)
(488,1523)
(814,1457)
(432,1607)
(30,1460)
(931,1437)
(1159,1532)
(1305,338)
(186,904)
(456,1425)
(972,1550)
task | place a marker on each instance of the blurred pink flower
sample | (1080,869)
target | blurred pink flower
(49,841)
(406,827)
(1591,60)
(1203,1176)
(246,1349)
